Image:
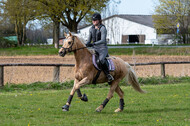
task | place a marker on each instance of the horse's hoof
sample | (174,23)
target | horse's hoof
(84,98)
(99,109)
(118,110)
(65,108)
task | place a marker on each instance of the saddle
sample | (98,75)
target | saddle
(97,65)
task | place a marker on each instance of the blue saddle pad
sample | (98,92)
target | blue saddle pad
(110,62)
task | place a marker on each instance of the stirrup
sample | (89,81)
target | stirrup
(110,78)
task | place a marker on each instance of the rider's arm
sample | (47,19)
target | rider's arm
(89,37)
(103,36)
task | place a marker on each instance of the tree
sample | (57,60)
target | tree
(76,10)
(6,27)
(170,12)
(51,9)
(20,12)
(69,13)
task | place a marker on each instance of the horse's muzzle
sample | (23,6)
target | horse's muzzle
(62,53)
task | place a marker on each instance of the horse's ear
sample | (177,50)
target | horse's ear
(70,33)
(65,34)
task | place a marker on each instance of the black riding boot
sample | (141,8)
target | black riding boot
(107,72)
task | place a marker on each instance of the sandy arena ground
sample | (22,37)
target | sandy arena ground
(18,74)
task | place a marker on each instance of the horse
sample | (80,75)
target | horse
(85,72)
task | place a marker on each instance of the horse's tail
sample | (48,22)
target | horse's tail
(132,79)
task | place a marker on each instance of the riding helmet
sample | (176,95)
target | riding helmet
(96,16)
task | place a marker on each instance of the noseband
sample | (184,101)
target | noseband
(70,48)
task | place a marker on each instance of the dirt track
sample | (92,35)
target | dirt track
(33,74)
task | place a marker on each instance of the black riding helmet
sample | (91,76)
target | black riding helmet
(96,16)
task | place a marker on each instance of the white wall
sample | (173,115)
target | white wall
(84,32)
(113,30)
(50,41)
(116,27)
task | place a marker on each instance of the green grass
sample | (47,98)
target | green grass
(29,50)
(148,45)
(50,50)
(69,84)
(163,105)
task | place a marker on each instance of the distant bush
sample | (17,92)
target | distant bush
(69,84)
(4,43)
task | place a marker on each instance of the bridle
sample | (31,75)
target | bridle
(70,48)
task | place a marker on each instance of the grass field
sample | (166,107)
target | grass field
(50,50)
(163,105)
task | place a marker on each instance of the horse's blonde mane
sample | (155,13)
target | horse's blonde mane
(80,38)
(83,42)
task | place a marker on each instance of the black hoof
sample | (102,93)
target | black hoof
(65,108)
(84,98)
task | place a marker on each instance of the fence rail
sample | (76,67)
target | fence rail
(56,71)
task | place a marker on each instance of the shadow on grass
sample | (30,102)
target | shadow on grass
(156,110)
(146,111)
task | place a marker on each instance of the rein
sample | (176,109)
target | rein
(70,48)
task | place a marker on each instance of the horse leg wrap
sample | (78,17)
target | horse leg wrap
(84,98)
(79,93)
(121,104)
(105,102)
(70,99)
(65,108)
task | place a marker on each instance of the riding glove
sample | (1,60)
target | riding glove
(89,45)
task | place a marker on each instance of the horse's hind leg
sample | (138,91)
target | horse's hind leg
(109,96)
(121,94)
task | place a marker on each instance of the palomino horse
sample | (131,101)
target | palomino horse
(85,72)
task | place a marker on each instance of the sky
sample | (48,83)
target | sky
(140,7)
(137,7)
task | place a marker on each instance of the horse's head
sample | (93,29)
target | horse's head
(68,45)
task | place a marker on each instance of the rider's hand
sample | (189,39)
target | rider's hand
(89,45)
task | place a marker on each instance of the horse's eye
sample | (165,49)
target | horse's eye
(69,43)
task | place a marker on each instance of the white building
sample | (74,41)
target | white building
(50,41)
(126,29)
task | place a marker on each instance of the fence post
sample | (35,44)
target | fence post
(163,70)
(1,76)
(56,73)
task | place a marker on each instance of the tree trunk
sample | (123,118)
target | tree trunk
(17,31)
(24,35)
(56,32)
(73,27)
(24,31)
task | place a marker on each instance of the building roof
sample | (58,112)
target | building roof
(146,20)
(141,19)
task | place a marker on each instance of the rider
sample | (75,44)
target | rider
(97,40)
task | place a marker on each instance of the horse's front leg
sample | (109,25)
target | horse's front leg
(79,94)
(82,97)
(76,86)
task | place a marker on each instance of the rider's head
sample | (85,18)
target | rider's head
(96,19)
